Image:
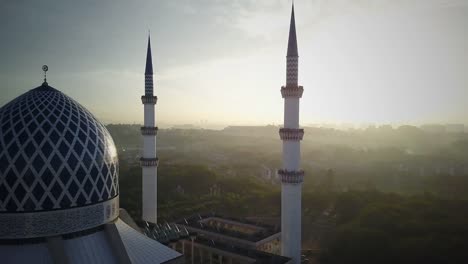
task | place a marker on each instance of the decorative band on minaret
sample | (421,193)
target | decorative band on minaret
(293,134)
(291,175)
(149,161)
(147,99)
(292,91)
(149,131)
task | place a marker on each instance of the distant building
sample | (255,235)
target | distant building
(434,128)
(256,131)
(215,190)
(455,128)
(185,126)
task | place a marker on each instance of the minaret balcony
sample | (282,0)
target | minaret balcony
(292,91)
(152,131)
(291,176)
(293,134)
(149,162)
(148,99)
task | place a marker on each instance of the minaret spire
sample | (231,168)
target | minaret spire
(149,60)
(291,174)
(292,41)
(149,161)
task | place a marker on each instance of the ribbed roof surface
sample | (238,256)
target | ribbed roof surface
(94,248)
(142,249)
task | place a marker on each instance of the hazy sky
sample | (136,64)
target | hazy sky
(380,61)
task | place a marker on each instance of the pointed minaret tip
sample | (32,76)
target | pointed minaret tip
(292,41)
(149,60)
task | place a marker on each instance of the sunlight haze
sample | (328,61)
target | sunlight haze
(223,62)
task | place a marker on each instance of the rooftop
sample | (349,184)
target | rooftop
(228,226)
(259,256)
(172,232)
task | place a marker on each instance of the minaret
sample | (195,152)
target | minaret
(149,161)
(291,175)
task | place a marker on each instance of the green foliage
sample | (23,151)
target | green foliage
(237,196)
(359,245)
(375,227)
(344,208)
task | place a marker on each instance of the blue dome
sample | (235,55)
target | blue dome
(54,155)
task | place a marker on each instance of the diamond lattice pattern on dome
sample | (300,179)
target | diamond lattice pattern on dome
(54,154)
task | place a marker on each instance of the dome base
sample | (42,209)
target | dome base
(48,223)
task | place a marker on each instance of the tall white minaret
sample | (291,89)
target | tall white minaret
(149,161)
(291,174)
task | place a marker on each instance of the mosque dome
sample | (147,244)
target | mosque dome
(58,167)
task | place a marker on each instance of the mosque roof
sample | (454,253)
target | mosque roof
(58,166)
(95,247)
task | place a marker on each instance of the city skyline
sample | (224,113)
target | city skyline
(363,62)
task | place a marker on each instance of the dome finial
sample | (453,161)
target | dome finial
(45,69)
